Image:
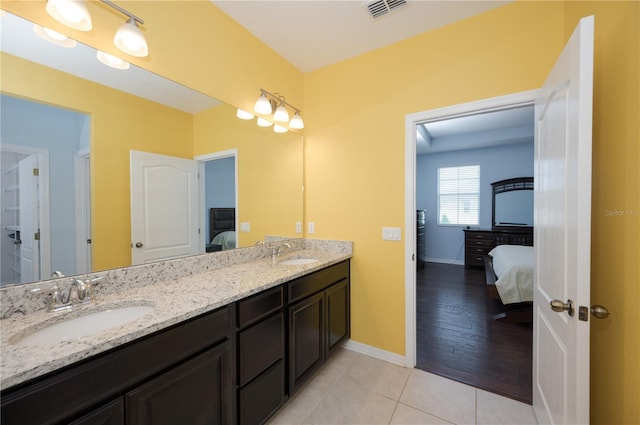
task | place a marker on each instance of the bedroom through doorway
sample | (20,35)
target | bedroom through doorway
(458,156)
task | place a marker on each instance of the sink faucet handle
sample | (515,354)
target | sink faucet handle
(90,283)
(55,297)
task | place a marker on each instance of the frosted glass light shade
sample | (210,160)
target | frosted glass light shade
(244,115)
(263,105)
(54,37)
(264,123)
(296,122)
(130,39)
(279,129)
(281,114)
(112,61)
(72,13)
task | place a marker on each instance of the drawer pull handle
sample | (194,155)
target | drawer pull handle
(478,243)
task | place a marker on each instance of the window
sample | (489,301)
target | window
(459,195)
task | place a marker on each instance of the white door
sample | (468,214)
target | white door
(562,238)
(28,213)
(164,207)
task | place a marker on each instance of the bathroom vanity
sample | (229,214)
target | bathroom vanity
(228,346)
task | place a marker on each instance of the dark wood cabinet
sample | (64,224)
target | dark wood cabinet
(261,356)
(109,414)
(478,243)
(318,321)
(196,392)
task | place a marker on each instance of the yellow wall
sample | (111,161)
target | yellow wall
(269,171)
(355,127)
(354,159)
(615,248)
(119,122)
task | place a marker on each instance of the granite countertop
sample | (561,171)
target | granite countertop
(174,301)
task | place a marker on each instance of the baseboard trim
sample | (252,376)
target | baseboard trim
(375,352)
(444,261)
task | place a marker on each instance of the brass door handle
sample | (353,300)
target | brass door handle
(559,306)
(139,245)
(599,311)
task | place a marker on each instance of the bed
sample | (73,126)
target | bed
(222,229)
(509,272)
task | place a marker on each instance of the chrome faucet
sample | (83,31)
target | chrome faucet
(83,290)
(277,250)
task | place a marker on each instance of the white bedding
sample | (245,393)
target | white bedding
(513,265)
(226,239)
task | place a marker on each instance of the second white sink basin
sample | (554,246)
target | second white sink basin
(298,261)
(88,324)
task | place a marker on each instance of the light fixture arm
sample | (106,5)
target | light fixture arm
(123,11)
(274,97)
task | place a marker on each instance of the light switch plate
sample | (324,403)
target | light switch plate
(245,227)
(391,233)
(298,227)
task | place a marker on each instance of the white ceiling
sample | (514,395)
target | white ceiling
(311,34)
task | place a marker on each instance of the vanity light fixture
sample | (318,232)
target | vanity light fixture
(268,102)
(72,13)
(54,37)
(244,115)
(279,129)
(112,61)
(129,38)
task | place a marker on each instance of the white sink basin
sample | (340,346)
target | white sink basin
(88,324)
(298,261)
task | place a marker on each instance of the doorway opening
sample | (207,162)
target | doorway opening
(451,263)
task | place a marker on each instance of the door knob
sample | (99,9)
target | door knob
(138,244)
(559,306)
(599,311)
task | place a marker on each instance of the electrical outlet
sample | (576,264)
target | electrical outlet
(245,227)
(298,227)
(391,233)
(312,227)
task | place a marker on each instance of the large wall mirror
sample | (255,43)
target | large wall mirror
(78,132)
(512,203)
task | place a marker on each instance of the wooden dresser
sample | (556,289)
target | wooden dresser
(421,220)
(478,242)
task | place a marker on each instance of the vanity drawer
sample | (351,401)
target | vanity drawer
(262,397)
(260,305)
(259,347)
(316,282)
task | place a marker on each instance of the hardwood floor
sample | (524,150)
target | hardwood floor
(458,338)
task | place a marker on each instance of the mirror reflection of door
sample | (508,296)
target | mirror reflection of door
(52,135)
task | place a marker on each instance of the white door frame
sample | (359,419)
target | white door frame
(411,120)
(230,153)
(44,207)
(82,199)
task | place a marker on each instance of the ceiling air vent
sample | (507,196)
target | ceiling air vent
(380,8)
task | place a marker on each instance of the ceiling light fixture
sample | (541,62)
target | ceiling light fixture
(112,61)
(54,37)
(268,102)
(129,38)
(72,13)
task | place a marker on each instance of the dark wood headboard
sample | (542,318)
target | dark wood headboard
(221,220)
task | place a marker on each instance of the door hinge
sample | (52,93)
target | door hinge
(88,240)
(36,171)
(36,236)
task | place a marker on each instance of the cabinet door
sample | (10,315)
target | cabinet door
(109,414)
(306,339)
(337,325)
(199,391)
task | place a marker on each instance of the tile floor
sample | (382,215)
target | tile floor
(353,388)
